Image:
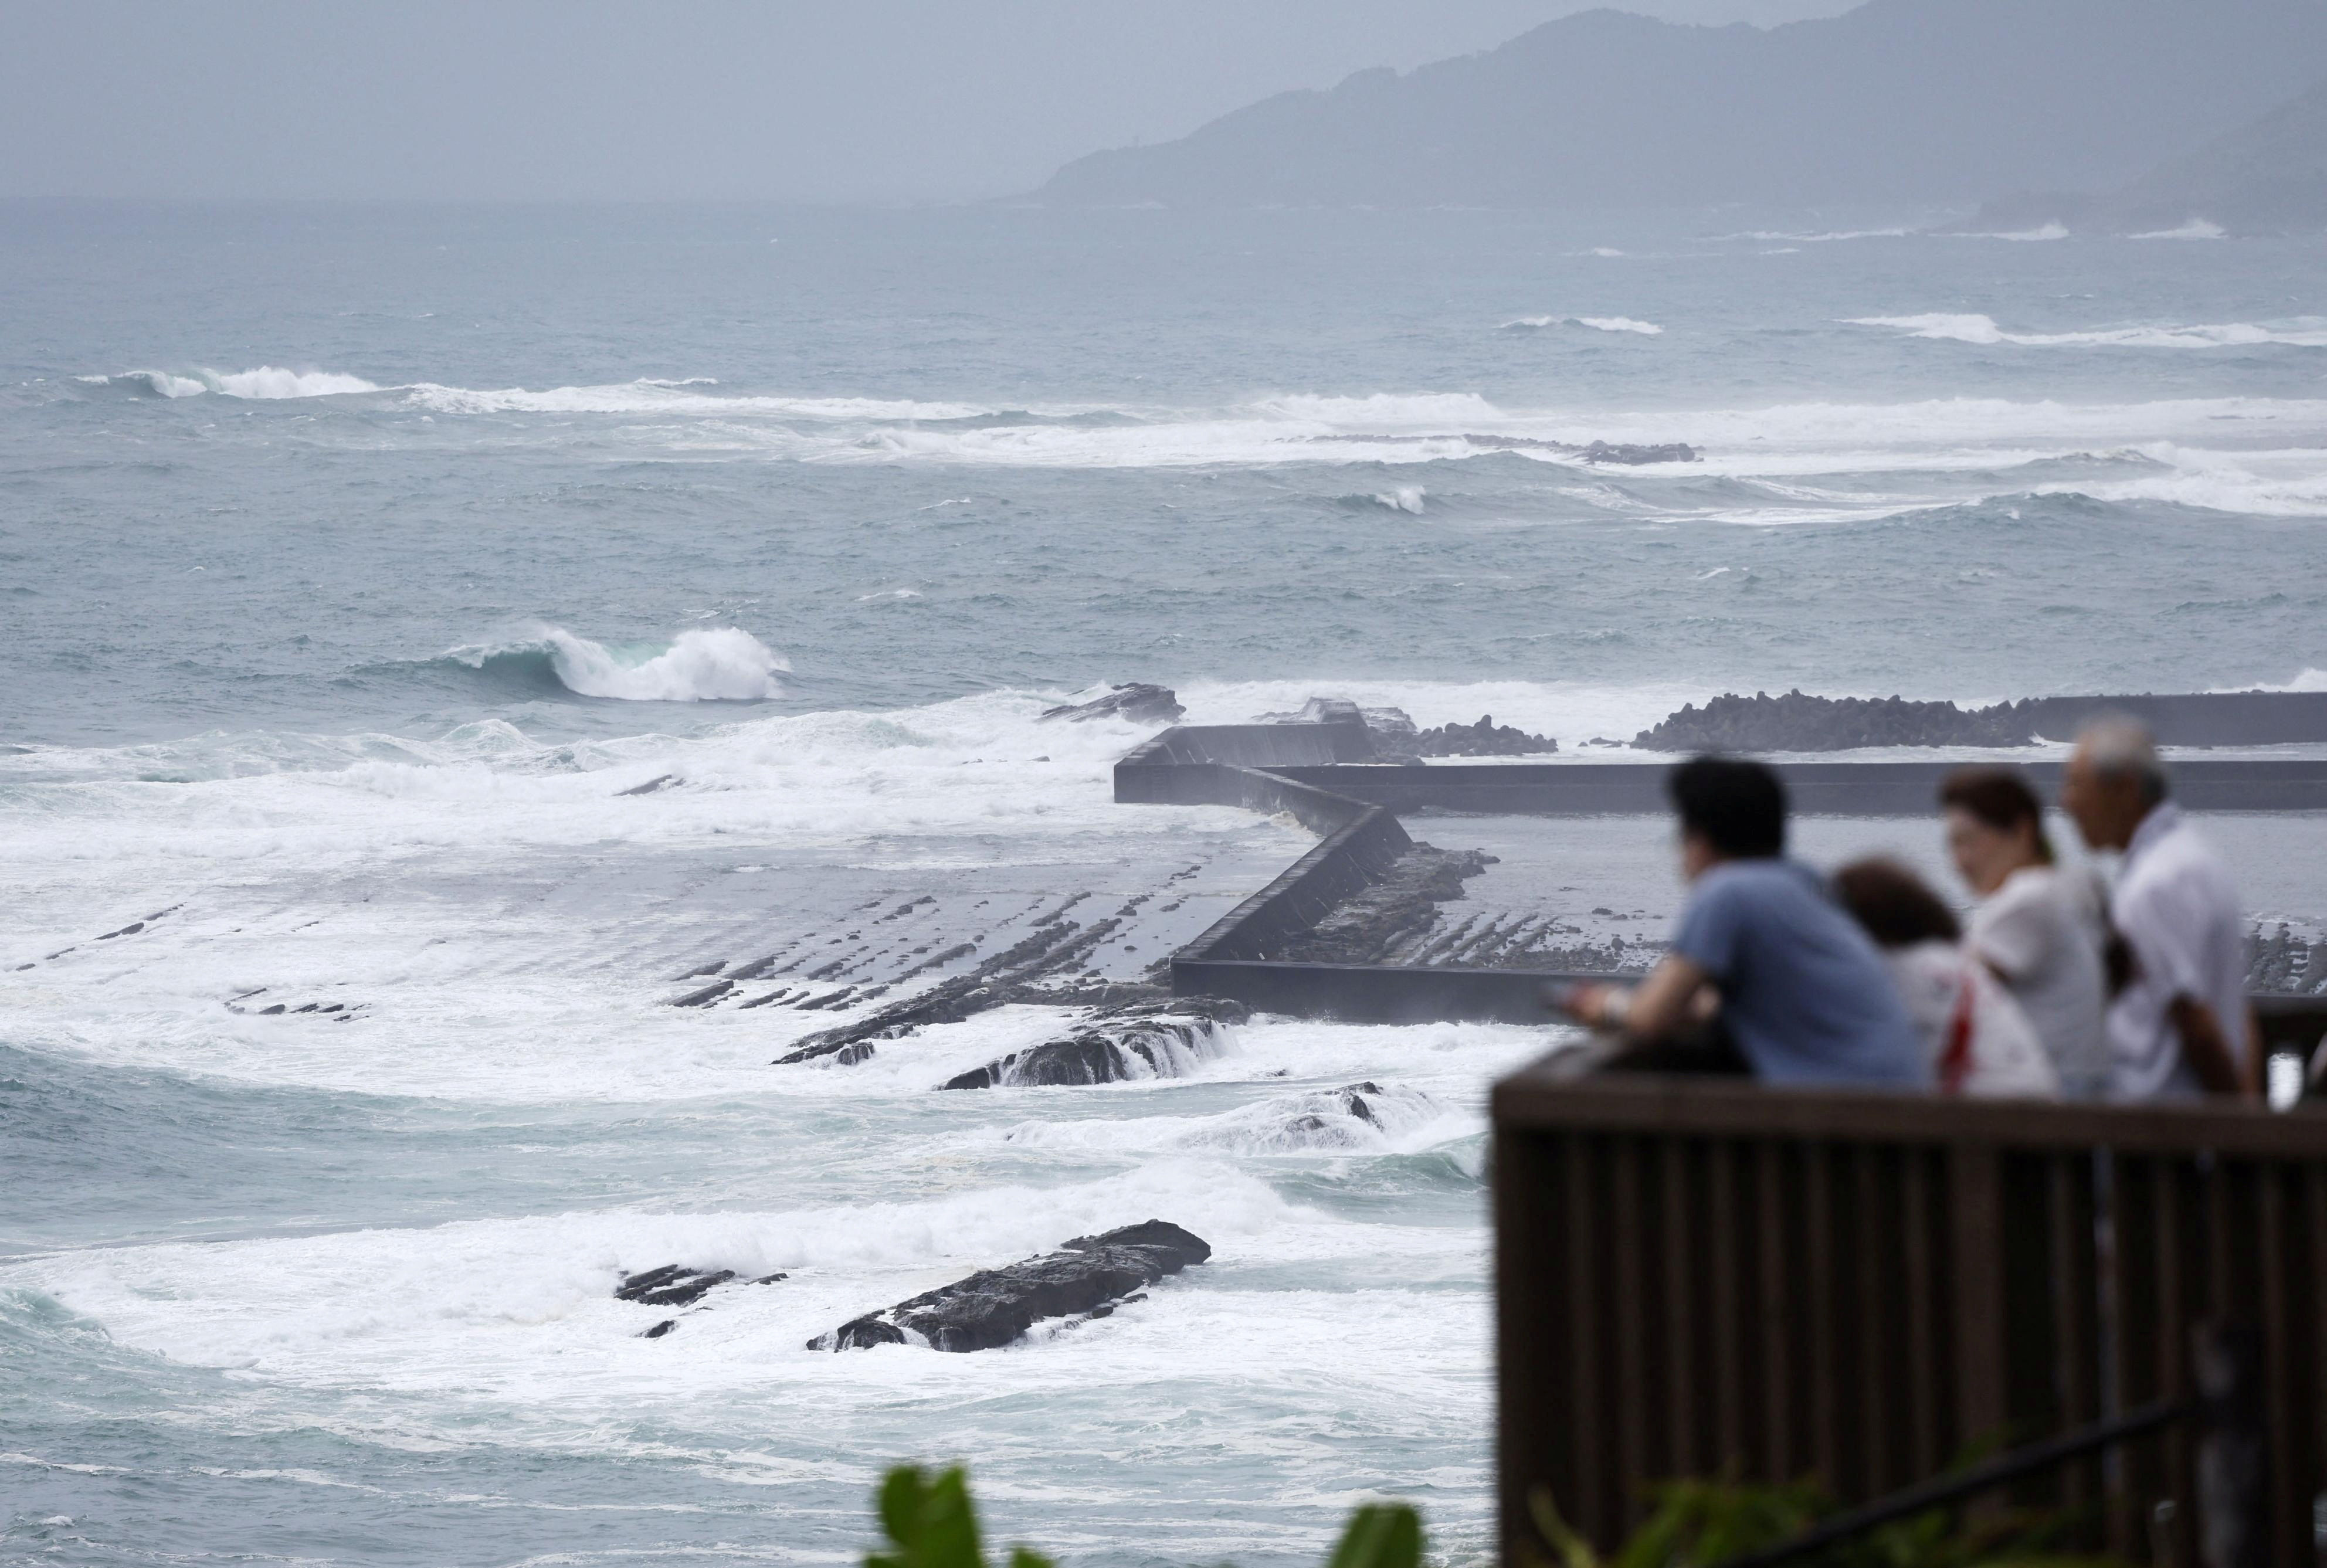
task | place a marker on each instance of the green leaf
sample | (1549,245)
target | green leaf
(932,1524)
(1574,1551)
(1380,1536)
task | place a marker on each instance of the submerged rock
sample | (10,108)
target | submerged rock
(1088,1277)
(1112,1049)
(1353,1117)
(677,1285)
(1138,702)
(1797,722)
(671,1285)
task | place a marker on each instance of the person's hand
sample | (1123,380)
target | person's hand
(1597,1006)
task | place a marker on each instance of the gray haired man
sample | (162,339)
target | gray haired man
(2181,1025)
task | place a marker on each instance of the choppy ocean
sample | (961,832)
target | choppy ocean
(354,562)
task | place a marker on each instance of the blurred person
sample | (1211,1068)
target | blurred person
(2181,1025)
(1790,981)
(1976,1036)
(2038,928)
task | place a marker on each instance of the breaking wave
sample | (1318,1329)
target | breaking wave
(712,664)
(2304,332)
(1597,324)
(675,397)
(2196,229)
(1773,234)
(267,381)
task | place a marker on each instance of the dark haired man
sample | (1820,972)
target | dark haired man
(1802,992)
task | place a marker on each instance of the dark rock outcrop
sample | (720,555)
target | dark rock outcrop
(677,1285)
(671,1285)
(1138,702)
(2284,961)
(1088,1277)
(1152,1042)
(1796,723)
(1484,738)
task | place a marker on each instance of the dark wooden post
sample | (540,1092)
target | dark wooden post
(2233,1477)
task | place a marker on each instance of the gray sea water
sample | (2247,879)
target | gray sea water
(353,562)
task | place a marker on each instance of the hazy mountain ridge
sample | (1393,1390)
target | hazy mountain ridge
(1899,100)
(2268,176)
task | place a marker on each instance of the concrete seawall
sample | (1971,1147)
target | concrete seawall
(1322,775)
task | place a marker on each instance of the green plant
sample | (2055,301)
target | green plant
(931,1523)
(1700,1524)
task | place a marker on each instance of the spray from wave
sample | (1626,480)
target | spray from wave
(267,381)
(708,664)
(1597,324)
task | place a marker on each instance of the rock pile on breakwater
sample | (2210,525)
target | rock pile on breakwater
(1088,1277)
(1797,722)
(1139,702)
(1396,738)
(1364,926)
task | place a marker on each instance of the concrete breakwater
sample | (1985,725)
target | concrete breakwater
(1266,952)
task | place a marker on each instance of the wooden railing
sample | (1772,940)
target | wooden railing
(1700,1276)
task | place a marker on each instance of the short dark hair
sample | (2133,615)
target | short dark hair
(1737,807)
(1999,798)
(1893,905)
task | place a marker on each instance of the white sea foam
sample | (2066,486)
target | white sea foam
(266,382)
(2302,332)
(1817,238)
(675,398)
(1404,499)
(2042,231)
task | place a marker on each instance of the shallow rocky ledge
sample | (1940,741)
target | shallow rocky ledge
(1088,1277)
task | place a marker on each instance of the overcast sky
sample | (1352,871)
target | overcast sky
(838,99)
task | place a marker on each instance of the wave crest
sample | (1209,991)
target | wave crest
(2304,332)
(706,664)
(266,382)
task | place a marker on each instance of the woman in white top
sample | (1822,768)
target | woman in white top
(1980,1042)
(2038,928)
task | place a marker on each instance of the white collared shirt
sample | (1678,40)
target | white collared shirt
(2177,909)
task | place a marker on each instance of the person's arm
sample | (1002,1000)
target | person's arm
(2206,1048)
(1651,1010)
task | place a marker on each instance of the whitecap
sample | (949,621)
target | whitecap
(2304,332)
(2196,229)
(1597,324)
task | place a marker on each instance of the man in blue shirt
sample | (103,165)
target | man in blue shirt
(1802,991)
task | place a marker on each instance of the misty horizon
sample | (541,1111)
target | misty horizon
(903,102)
